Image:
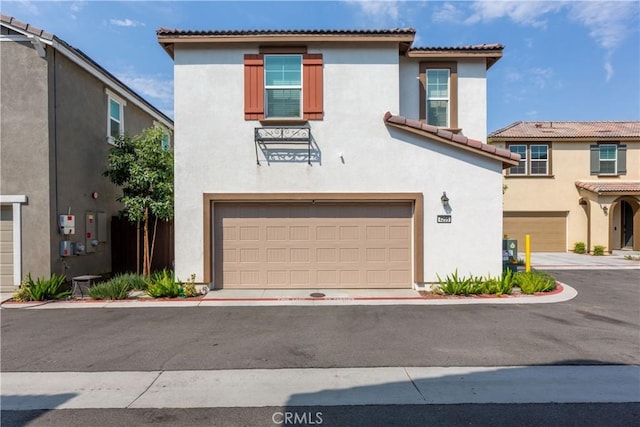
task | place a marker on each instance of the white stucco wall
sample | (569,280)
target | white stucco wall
(215,153)
(472,95)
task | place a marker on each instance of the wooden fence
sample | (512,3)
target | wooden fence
(126,249)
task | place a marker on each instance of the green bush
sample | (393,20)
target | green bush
(163,284)
(499,286)
(598,250)
(116,288)
(579,247)
(534,281)
(459,285)
(46,289)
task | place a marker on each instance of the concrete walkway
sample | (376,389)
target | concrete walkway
(320,387)
(573,261)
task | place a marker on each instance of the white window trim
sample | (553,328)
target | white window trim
(16,202)
(531,160)
(615,161)
(112,96)
(448,98)
(267,87)
(526,160)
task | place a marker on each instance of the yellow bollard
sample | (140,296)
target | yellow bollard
(527,253)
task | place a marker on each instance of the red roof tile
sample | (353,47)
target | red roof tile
(475,47)
(508,158)
(176,32)
(599,187)
(569,130)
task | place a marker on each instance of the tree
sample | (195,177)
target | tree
(144,169)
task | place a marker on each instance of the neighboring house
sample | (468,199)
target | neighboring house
(576,182)
(305,159)
(59,112)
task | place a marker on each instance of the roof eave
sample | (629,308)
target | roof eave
(506,163)
(491,56)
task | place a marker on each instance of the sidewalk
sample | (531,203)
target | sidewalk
(320,387)
(573,261)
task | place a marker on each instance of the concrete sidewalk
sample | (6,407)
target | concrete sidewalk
(570,260)
(320,387)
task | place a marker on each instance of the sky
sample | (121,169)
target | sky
(563,60)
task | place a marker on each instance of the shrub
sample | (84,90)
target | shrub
(534,281)
(457,285)
(163,284)
(46,289)
(22,293)
(499,286)
(189,288)
(598,250)
(116,288)
(579,247)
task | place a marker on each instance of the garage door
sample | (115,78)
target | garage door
(305,245)
(548,230)
(6,249)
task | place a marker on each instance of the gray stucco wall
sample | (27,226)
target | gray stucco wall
(24,143)
(82,149)
(54,150)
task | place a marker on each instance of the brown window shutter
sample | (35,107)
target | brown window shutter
(253,87)
(312,86)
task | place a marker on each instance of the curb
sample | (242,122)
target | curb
(562,293)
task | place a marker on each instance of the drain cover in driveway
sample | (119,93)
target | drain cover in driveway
(317,295)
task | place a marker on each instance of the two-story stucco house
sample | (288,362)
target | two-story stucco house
(332,159)
(575,182)
(59,113)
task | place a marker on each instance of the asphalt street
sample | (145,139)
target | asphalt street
(599,326)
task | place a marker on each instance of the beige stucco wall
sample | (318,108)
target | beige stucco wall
(570,163)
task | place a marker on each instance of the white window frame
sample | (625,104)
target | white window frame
(525,160)
(615,161)
(531,160)
(438,98)
(122,103)
(282,87)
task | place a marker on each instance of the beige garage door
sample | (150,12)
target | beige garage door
(548,230)
(6,249)
(304,245)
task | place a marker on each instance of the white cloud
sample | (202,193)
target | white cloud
(448,12)
(609,22)
(608,68)
(381,12)
(126,23)
(29,7)
(541,76)
(156,89)
(76,7)
(522,12)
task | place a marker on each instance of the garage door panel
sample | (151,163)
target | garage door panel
(6,249)
(322,245)
(547,230)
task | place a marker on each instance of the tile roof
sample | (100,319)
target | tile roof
(569,130)
(170,32)
(475,47)
(508,158)
(599,187)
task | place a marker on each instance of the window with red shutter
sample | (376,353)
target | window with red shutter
(277,91)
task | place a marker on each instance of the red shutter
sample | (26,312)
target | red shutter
(253,87)
(312,86)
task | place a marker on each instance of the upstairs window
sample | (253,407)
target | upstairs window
(608,159)
(439,94)
(438,98)
(115,116)
(534,160)
(283,86)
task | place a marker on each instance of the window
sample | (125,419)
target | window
(166,142)
(534,160)
(115,116)
(438,98)
(608,159)
(439,94)
(283,86)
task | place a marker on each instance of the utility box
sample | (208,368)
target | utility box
(91,238)
(66,248)
(510,255)
(67,224)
